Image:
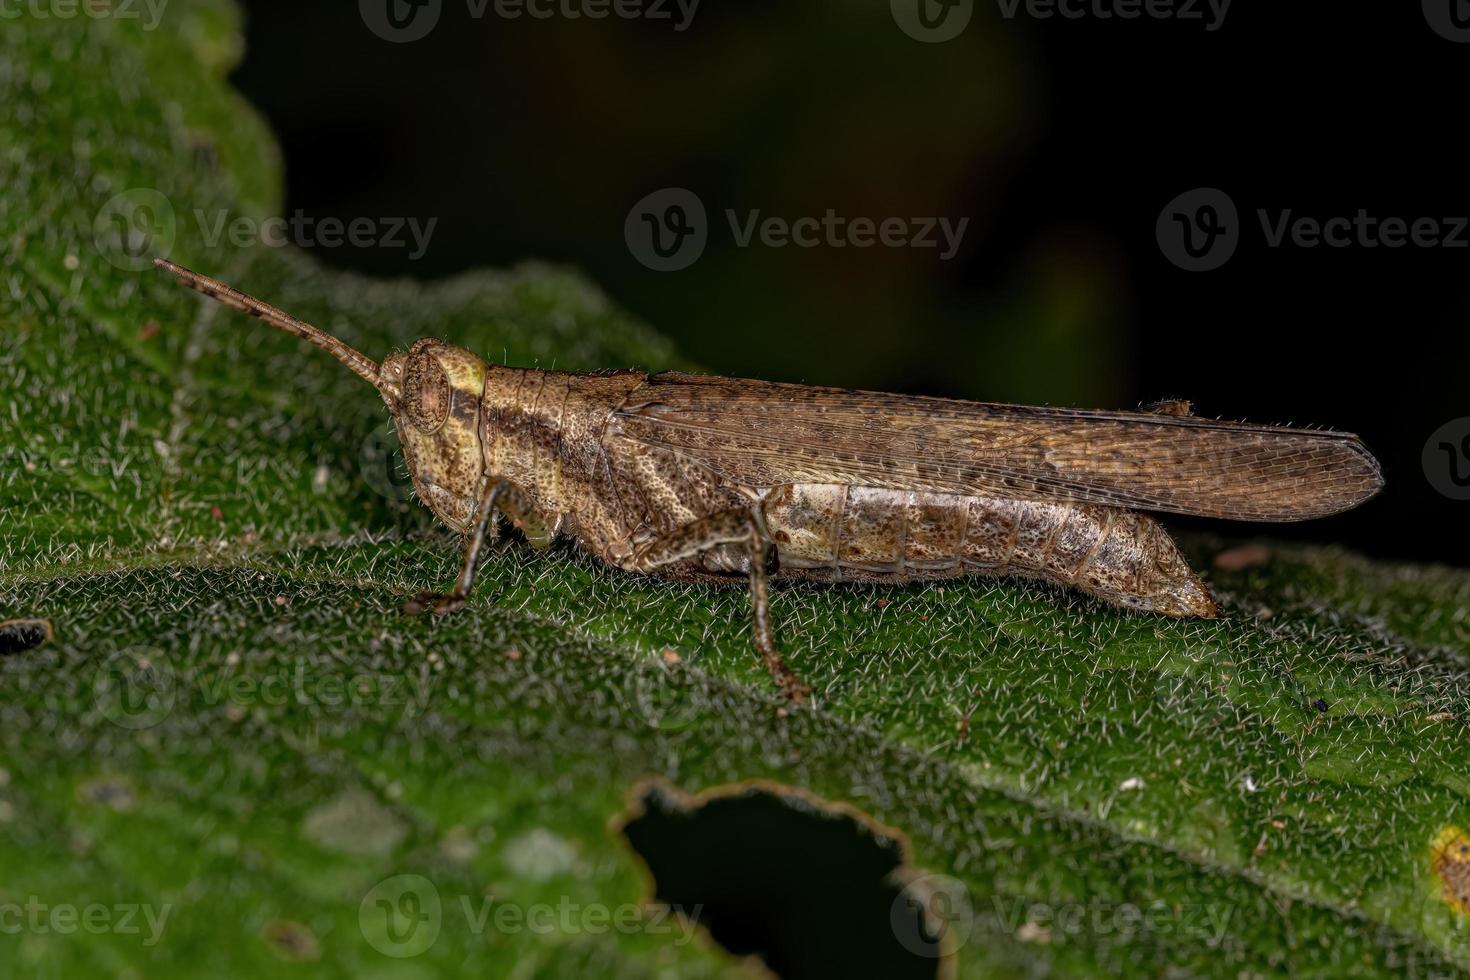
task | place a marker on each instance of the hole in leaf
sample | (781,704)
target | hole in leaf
(815,889)
(20,635)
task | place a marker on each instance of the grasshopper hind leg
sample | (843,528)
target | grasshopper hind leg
(720,537)
(762,559)
(500,496)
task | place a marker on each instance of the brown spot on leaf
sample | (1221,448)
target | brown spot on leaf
(1449,856)
(292,940)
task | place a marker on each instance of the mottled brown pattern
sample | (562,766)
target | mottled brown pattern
(1119,556)
(553,435)
(616,494)
(707,478)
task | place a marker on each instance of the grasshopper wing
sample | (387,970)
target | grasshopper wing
(757,433)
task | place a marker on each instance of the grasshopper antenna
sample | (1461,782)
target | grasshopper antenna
(361,365)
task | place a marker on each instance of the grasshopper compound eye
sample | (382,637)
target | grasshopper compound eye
(425,392)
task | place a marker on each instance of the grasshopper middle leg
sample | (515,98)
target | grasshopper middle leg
(732,527)
(500,496)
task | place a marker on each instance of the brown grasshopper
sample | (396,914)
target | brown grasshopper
(713,479)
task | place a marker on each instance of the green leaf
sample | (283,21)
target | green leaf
(235,728)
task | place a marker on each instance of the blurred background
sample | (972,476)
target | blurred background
(1058,141)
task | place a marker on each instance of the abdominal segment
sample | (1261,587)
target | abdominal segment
(836,532)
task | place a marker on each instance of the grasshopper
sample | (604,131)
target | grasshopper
(721,480)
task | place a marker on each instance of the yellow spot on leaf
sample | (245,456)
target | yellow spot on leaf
(1449,856)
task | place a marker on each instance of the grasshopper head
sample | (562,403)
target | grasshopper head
(434,392)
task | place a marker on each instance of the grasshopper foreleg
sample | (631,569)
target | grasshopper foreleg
(500,496)
(732,527)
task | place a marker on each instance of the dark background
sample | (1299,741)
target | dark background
(1061,140)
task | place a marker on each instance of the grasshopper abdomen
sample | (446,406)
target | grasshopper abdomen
(837,532)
